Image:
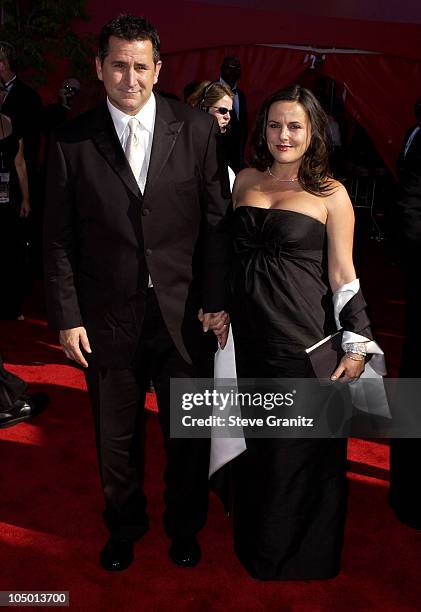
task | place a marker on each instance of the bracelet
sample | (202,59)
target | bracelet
(358,348)
(354,357)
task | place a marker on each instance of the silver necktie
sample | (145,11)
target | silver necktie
(133,150)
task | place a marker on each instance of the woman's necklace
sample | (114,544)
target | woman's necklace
(292,180)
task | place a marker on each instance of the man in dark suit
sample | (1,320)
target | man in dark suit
(238,130)
(405,454)
(24,107)
(58,112)
(135,245)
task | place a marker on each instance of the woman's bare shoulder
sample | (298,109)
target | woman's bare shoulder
(337,194)
(334,186)
(245,179)
(248,175)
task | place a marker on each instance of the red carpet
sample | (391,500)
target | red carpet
(51,533)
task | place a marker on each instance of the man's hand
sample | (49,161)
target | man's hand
(25,209)
(218,322)
(348,370)
(71,340)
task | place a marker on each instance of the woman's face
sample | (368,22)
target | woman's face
(223,118)
(288,131)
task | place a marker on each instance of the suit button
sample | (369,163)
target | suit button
(146,211)
(148,251)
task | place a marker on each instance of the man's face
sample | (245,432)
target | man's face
(231,71)
(69,89)
(4,65)
(128,73)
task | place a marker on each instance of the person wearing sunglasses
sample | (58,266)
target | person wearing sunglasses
(216,99)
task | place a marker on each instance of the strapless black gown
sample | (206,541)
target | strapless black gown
(289,495)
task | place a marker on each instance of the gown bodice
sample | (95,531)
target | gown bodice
(279,285)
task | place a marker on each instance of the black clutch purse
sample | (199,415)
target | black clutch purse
(324,356)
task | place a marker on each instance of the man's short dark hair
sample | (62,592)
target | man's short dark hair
(129,27)
(231,60)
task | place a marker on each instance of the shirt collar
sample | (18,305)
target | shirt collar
(146,116)
(9,83)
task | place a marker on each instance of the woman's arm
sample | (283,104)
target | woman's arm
(340,234)
(20,165)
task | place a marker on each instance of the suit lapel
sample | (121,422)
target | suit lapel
(166,131)
(107,142)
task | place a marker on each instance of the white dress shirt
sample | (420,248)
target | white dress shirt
(8,87)
(410,139)
(146,117)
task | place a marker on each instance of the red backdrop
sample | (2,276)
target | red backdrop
(381,88)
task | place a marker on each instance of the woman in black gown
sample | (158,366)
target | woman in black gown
(289,495)
(14,205)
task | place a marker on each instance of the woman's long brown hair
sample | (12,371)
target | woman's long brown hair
(314,173)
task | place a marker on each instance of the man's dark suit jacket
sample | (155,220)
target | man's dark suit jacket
(409,194)
(237,135)
(102,238)
(405,454)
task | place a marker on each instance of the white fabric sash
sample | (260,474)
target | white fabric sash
(223,450)
(366,396)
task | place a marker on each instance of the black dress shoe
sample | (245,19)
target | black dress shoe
(23,409)
(117,555)
(185,552)
(407,518)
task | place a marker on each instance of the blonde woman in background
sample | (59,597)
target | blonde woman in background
(216,99)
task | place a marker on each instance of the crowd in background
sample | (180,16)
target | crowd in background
(26,128)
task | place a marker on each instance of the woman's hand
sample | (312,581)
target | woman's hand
(25,208)
(349,369)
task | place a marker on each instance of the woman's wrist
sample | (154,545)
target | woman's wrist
(355,356)
(356,348)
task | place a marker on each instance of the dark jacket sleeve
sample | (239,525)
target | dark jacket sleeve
(59,250)
(216,203)
(409,200)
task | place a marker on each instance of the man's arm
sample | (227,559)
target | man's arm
(59,236)
(216,202)
(409,202)
(20,166)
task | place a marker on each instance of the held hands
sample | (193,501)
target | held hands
(349,368)
(71,340)
(218,322)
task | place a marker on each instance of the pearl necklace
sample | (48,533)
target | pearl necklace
(292,180)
